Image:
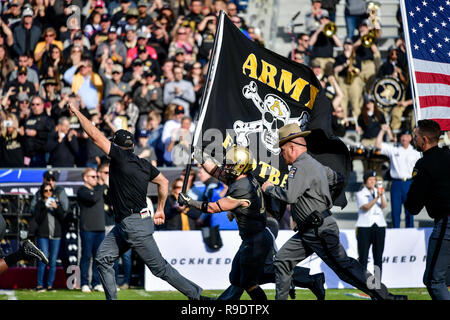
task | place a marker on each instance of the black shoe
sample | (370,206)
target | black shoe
(292,293)
(396,297)
(317,287)
(31,251)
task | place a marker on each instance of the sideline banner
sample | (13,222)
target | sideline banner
(404,258)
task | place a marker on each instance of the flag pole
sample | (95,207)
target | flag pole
(412,77)
(204,94)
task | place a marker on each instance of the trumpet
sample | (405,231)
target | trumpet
(352,71)
(330,29)
(368,39)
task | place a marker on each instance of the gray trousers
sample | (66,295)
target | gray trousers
(137,233)
(327,246)
(438,261)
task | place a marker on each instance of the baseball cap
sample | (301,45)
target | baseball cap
(180,50)
(50,175)
(142,3)
(123,138)
(132,12)
(179,109)
(22,96)
(112,29)
(324,14)
(27,12)
(369,98)
(22,70)
(104,18)
(78,36)
(117,68)
(148,73)
(99,4)
(129,27)
(137,62)
(142,133)
(49,81)
(141,49)
(142,34)
(368,174)
(14,3)
(315,64)
(348,41)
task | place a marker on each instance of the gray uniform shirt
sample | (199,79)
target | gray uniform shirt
(306,188)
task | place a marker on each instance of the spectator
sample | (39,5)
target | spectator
(255,35)
(143,150)
(322,46)
(62,144)
(148,62)
(115,88)
(178,217)
(402,159)
(85,83)
(11,142)
(48,217)
(194,17)
(94,153)
(92,226)
(354,12)
(53,64)
(180,142)
(330,6)
(136,74)
(131,20)
(302,48)
(313,17)
(133,52)
(37,128)
(21,84)
(101,35)
(148,97)
(77,39)
(43,47)
(370,121)
(371,225)
(145,20)
(119,18)
(207,29)
(160,41)
(113,46)
(26,61)
(197,78)
(26,34)
(7,65)
(12,15)
(154,130)
(349,81)
(130,39)
(169,127)
(179,91)
(183,39)
(370,57)
(239,23)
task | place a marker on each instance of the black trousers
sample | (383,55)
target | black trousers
(248,263)
(371,236)
(2,227)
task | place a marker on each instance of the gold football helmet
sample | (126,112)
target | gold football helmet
(238,160)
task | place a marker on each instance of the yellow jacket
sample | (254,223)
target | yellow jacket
(78,80)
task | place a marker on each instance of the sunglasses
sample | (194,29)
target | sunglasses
(105,172)
(93,177)
(47,190)
(49,35)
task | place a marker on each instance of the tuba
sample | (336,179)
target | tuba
(368,39)
(330,29)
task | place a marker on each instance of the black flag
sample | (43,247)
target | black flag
(251,92)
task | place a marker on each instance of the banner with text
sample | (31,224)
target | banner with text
(404,258)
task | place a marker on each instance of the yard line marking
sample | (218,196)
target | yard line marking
(10,293)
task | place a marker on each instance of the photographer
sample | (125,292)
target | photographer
(371,225)
(48,218)
(11,142)
(148,97)
(63,145)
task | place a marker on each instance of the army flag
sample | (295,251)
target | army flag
(251,92)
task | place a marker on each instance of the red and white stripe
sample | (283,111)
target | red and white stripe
(433,91)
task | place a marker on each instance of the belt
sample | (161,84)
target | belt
(305,225)
(402,179)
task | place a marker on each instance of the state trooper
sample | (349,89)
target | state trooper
(308,191)
(430,188)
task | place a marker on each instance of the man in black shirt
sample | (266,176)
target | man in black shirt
(430,188)
(92,225)
(244,201)
(128,183)
(20,84)
(37,128)
(62,144)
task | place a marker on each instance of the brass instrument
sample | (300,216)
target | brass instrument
(330,29)
(368,39)
(352,72)
(372,10)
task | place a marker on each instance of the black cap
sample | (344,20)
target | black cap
(368,174)
(50,175)
(179,109)
(141,49)
(22,70)
(104,18)
(123,138)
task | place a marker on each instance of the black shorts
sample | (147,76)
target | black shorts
(248,263)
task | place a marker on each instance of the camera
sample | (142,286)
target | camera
(7,123)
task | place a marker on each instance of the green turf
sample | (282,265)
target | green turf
(140,294)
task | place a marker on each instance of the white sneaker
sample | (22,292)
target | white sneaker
(99,288)
(118,289)
(85,288)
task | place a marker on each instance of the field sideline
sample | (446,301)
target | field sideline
(140,294)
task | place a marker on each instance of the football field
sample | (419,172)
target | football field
(140,294)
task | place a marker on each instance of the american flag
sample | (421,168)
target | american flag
(426,25)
